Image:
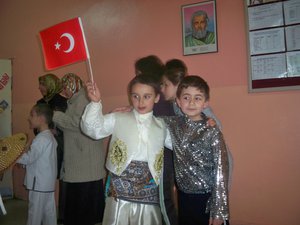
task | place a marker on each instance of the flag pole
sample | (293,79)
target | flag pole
(89,65)
(90,70)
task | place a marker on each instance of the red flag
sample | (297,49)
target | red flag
(64,44)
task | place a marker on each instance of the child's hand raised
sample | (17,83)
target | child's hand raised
(93,91)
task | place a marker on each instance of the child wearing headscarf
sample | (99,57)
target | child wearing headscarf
(84,157)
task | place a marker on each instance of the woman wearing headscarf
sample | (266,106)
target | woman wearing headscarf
(50,87)
(84,158)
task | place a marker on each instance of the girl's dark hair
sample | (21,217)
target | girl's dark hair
(144,79)
(43,109)
(193,81)
(150,65)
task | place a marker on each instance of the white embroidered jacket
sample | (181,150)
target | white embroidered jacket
(134,137)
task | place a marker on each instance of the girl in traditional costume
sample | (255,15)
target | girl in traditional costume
(135,155)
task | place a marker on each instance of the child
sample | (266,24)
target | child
(135,155)
(50,87)
(41,168)
(200,158)
(175,71)
(170,81)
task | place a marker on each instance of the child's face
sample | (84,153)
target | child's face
(34,120)
(168,89)
(143,97)
(192,101)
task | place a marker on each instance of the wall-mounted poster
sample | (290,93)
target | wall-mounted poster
(6,183)
(199,28)
(5,98)
(273,44)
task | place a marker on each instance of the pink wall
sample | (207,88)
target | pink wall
(262,130)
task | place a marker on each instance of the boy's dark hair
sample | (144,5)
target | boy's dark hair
(176,64)
(45,110)
(144,79)
(150,65)
(193,81)
(174,75)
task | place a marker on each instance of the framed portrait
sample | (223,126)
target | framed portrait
(199,28)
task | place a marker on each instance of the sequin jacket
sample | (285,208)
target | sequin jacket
(200,161)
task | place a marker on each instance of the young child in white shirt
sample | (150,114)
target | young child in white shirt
(41,169)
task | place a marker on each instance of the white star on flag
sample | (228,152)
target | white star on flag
(57,46)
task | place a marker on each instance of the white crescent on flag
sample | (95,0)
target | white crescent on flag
(71,39)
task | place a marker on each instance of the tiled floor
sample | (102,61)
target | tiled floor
(16,212)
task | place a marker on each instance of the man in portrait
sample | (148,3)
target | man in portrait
(200,34)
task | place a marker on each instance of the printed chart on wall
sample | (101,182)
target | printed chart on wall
(274,44)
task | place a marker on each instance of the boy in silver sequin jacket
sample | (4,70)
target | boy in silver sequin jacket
(200,158)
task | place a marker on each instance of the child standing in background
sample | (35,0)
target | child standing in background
(175,72)
(135,155)
(200,158)
(41,168)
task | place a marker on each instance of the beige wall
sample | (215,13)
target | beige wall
(262,130)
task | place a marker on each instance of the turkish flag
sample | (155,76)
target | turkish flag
(64,44)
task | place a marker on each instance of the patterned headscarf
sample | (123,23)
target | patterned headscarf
(72,82)
(52,84)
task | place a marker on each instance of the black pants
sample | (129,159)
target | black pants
(192,209)
(62,200)
(169,182)
(84,203)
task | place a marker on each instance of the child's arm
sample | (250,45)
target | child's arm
(93,122)
(35,151)
(219,208)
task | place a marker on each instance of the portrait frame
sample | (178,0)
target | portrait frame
(200,42)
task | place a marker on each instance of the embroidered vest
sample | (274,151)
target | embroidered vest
(124,141)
